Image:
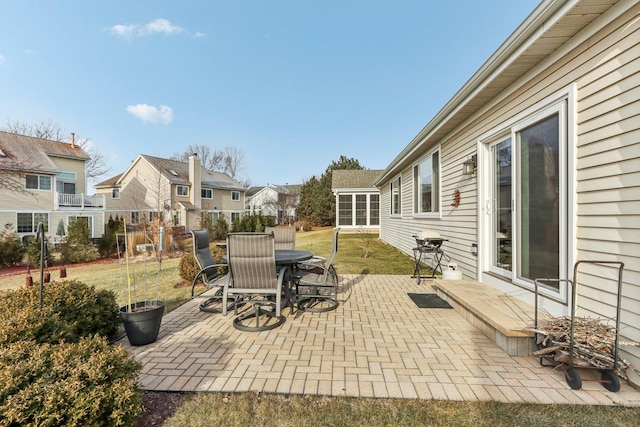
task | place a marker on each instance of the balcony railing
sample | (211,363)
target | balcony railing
(80,201)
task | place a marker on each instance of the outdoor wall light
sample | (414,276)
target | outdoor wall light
(474,249)
(469,166)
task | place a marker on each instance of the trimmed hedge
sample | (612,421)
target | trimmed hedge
(70,310)
(84,383)
(56,364)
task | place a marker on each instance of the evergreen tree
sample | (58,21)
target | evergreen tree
(79,247)
(317,202)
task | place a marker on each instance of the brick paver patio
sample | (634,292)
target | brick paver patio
(378,343)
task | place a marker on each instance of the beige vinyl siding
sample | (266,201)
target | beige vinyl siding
(603,66)
(608,173)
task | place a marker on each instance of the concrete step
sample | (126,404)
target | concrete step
(506,320)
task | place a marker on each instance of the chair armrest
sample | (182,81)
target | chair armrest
(210,269)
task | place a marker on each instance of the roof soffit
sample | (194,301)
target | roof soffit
(547,28)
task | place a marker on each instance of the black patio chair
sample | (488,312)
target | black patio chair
(212,274)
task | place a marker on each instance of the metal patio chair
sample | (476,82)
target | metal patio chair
(316,282)
(285,237)
(428,248)
(254,281)
(212,274)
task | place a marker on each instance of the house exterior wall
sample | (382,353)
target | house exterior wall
(144,191)
(78,167)
(264,201)
(44,201)
(596,73)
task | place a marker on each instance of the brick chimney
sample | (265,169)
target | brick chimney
(195,178)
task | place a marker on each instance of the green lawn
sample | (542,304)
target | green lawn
(358,254)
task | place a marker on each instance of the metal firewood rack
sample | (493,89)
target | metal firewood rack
(608,378)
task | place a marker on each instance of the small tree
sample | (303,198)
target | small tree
(221,229)
(79,247)
(11,248)
(34,248)
(108,245)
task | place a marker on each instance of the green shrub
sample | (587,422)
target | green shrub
(108,244)
(11,248)
(220,230)
(79,247)
(84,383)
(33,250)
(188,267)
(70,310)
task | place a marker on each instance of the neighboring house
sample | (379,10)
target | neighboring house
(45,181)
(178,193)
(552,123)
(278,201)
(357,199)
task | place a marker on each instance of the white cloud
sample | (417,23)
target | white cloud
(158,26)
(125,31)
(151,114)
(199,35)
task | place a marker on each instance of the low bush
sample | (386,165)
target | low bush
(188,267)
(33,249)
(84,383)
(70,310)
(79,247)
(11,248)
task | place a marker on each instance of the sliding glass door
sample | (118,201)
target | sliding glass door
(527,200)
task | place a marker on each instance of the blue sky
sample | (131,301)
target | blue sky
(293,84)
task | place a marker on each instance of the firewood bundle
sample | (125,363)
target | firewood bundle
(593,343)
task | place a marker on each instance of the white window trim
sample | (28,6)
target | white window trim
(51,182)
(235,192)
(414,201)
(34,224)
(568,127)
(113,190)
(178,192)
(399,213)
(207,189)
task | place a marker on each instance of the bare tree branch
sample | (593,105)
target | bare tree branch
(97,164)
(233,161)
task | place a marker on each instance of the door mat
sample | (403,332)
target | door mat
(428,301)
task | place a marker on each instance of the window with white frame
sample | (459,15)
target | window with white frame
(345,210)
(27,222)
(396,196)
(38,182)
(213,216)
(65,183)
(527,180)
(206,193)
(135,217)
(361,209)
(374,209)
(115,193)
(182,190)
(426,185)
(235,216)
(235,195)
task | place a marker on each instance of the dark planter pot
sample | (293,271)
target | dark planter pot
(142,323)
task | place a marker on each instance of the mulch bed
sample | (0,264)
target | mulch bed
(23,269)
(157,407)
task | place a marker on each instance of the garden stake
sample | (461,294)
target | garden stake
(126,258)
